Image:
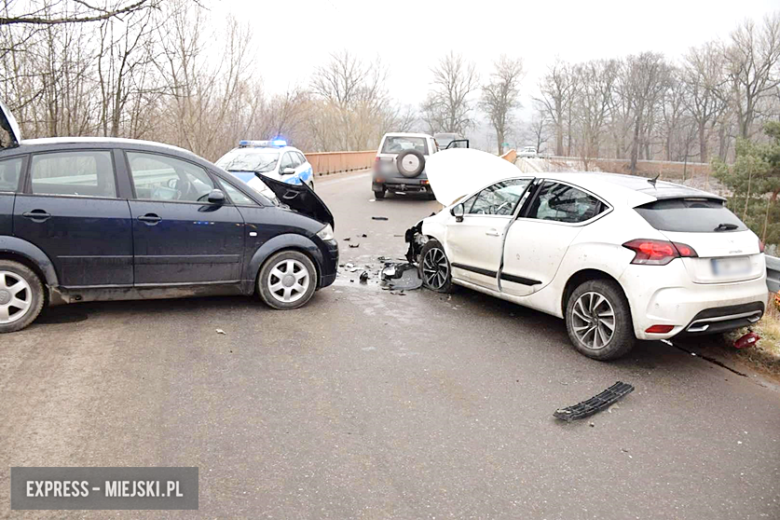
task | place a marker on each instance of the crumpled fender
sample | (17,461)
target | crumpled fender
(32,253)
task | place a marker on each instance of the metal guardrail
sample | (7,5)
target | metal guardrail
(773,273)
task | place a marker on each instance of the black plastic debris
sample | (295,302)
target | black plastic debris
(595,404)
(401,276)
(354,246)
(364,235)
(346,239)
(379,218)
(364,276)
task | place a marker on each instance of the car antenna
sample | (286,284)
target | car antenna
(654,180)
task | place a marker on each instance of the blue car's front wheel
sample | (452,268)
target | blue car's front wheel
(287,280)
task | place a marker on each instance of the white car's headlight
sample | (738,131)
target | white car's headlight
(326,233)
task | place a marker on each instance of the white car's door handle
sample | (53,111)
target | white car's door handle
(492,233)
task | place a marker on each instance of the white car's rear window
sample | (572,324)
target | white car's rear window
(690,216)
(398,144)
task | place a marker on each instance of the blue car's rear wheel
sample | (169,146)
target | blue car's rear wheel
(21,296)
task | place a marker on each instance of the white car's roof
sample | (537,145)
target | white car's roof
(629,189)
(406,134)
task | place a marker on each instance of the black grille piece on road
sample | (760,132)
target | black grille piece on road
(595,404)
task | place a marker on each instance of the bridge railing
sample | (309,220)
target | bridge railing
(325,163)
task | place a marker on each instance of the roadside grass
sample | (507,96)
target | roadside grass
(766,353)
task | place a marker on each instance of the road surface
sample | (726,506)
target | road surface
(373,405)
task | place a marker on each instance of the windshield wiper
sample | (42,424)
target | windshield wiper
(726,226)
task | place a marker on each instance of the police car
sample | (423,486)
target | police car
(273,159)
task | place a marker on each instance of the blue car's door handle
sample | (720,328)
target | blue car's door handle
(150,218)
(37,215)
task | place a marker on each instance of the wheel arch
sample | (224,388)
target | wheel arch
(286,242)
(582,276)
(30,255)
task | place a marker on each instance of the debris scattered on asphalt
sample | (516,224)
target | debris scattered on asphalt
(401,276)
(379,218)
(346,239)
(351,267)
(748,340)
(363,236)
(220,331)
(364,276)
(595,404)
(354,246)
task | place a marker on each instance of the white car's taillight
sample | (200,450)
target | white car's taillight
(658,252)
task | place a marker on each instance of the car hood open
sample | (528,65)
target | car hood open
(9,124)
(457,172)
(301,198)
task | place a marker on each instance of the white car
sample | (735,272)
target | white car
(618,257)
(528,152)
(272,159)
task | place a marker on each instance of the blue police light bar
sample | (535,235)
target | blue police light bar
(246,143)
(279,142)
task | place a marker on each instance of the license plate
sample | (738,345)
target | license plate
(730,266)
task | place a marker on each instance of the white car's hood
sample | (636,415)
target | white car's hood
(457,172)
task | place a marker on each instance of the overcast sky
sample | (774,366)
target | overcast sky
(294,36)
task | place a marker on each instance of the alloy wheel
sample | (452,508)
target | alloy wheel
(288,280)
(15,297)
(436,269)
(593,320)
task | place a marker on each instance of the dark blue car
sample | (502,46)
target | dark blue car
(88,219)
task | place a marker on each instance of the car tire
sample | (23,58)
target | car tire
(594,307)
(19,283)
(410,163)
(435,268)
(379,195)
(287,280)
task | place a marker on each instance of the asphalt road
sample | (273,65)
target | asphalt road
(367,404)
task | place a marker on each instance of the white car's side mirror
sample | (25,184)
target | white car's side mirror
(457,212)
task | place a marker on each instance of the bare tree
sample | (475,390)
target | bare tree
(556,88)
(75,11)
(594,88)
(752,59)
(703,79)
(448,106)
(500,97)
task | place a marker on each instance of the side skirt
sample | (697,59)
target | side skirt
(64,295)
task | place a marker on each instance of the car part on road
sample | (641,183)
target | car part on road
(364,276)
(21,296)
(400,276)
(598,320)
(748,340)
(595,404)
(379,218)
(354,246)
(287,280)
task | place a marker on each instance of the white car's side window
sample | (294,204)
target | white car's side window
(563,203)
(499,199)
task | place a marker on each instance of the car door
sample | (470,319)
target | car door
(303,171)
(475,242)
(537,241)
(180,237)
(71,210)
(10,176)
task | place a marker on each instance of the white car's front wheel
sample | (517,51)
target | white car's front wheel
(598,320)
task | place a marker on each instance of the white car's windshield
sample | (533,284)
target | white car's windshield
(247,159)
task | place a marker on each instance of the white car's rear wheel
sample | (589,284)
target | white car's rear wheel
(598,320)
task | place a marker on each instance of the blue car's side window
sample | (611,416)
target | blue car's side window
(10,169)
